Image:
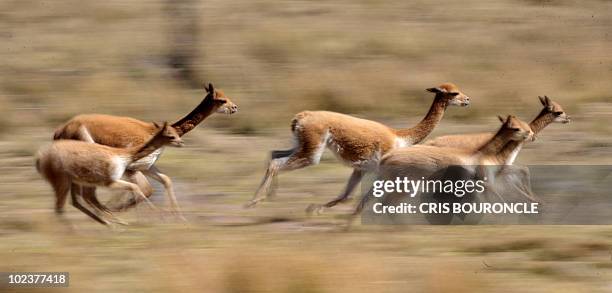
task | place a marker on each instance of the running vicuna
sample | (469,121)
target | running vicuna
(357,142)
(552,112)
(516,178)
(124,132)
(422,161)
(67,162)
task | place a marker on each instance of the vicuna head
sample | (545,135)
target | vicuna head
(519,129)
(555,110)
(167,135)
(222,104)
(451,94)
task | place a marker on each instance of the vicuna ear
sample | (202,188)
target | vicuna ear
(501,119)
(547,100)
(542,101)
(436,90)
(156,125)
(211,88)
(165,124)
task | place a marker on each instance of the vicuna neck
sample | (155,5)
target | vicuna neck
(507,150)
(496,143)
(541,121)
(196,116)
(420,131)
(147,148)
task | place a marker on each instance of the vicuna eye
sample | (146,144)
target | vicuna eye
(558,113)
(515,129)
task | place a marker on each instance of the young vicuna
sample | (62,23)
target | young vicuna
(423,160)
(123,132)
(65,162)
(517,178)
(552,112)
(357,142)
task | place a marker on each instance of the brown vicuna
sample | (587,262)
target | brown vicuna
(67,162)
(423,160)
(552,112)
(357,142)
(124,132)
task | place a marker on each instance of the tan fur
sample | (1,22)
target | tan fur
(487,154)
(123,132)
(425,160)
(469,141)
(114,131)
(357,142)
(352,139)
(552,112)
(89,164)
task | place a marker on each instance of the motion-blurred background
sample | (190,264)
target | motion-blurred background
(149,59)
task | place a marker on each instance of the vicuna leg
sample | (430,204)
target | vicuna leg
(362,203)
(133,188)
(360,206)
(60,186)
(78,205)
(276,155)
(350,186)
(519,178)
(138,178)
(307,153)
(271,172)
(89,195)
(154,173)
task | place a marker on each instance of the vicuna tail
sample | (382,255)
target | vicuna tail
(60,132)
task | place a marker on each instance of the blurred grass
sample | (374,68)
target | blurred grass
(369,58)
(275,247)
(278,58)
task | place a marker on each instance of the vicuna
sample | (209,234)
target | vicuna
(552,112)
(423,161)
(357,142)
(124,132)
(516,178)
(67,162)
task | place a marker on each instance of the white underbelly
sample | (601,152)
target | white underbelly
(401,143)
(146,162)
(119,164)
